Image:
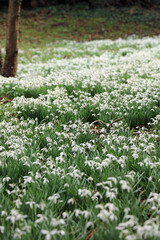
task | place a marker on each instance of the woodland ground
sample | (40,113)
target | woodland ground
(80,127)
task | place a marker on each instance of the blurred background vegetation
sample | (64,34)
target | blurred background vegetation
(90,3)
(48,21)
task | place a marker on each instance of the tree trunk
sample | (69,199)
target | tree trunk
(11,59)
(1,61)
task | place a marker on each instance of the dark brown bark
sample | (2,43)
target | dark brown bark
(1,61)
(11,59)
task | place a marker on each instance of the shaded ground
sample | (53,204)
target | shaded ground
(47,25)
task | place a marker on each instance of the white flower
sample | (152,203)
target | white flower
(89,225)
(111,195)
(84,192)
(31,204)
(65,215)
(41,218)
(15,216)
(18,203)
(113,179)
(150,178)
(100,206)
(77,212)
(55,222)
(18,233)
(107,212)
(125,185)
(66,185)
(96,196)
(106,215)
(54,197)
(126,210)
(41,205)
(71,201)
(28,179)
(45,180)
(90,179)
(6,179)
(3,213)
(49,234)
(2,228)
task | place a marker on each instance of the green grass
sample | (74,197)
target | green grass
(47,25)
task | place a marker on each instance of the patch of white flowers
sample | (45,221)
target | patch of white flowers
(62,172)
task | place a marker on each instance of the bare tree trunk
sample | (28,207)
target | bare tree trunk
(11,59)
(1,61)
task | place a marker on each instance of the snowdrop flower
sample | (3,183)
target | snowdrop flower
(150,178)
(90,179)
(107,212)
(154,200)
(18,233)
(26,228)
(6,179)
(65,215)
(2,228)
(49,234)
(3,213)
(131,175)
(110,194)
(100,206)
(54,197)
(113,179)
(41,218)
(77,212)
(38,175)
(125,185)
(96,196)
(15,216)
(105,215)
(86,214)
(126,210)
(111,207)
(135,155)
(89,225)
(28,179)
(131,222)
(55,222)
(66,185)
(31,204)
(45,180)
(41,205)
(71,201)
(18,203)
(84,193)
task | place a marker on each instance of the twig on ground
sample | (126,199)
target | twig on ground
(116,120)
(108,126)
(100,122)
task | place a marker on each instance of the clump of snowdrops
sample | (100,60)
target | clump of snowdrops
(79,142)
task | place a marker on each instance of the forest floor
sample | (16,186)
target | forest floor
(47,25)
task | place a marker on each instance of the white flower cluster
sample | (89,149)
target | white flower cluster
(79,142)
